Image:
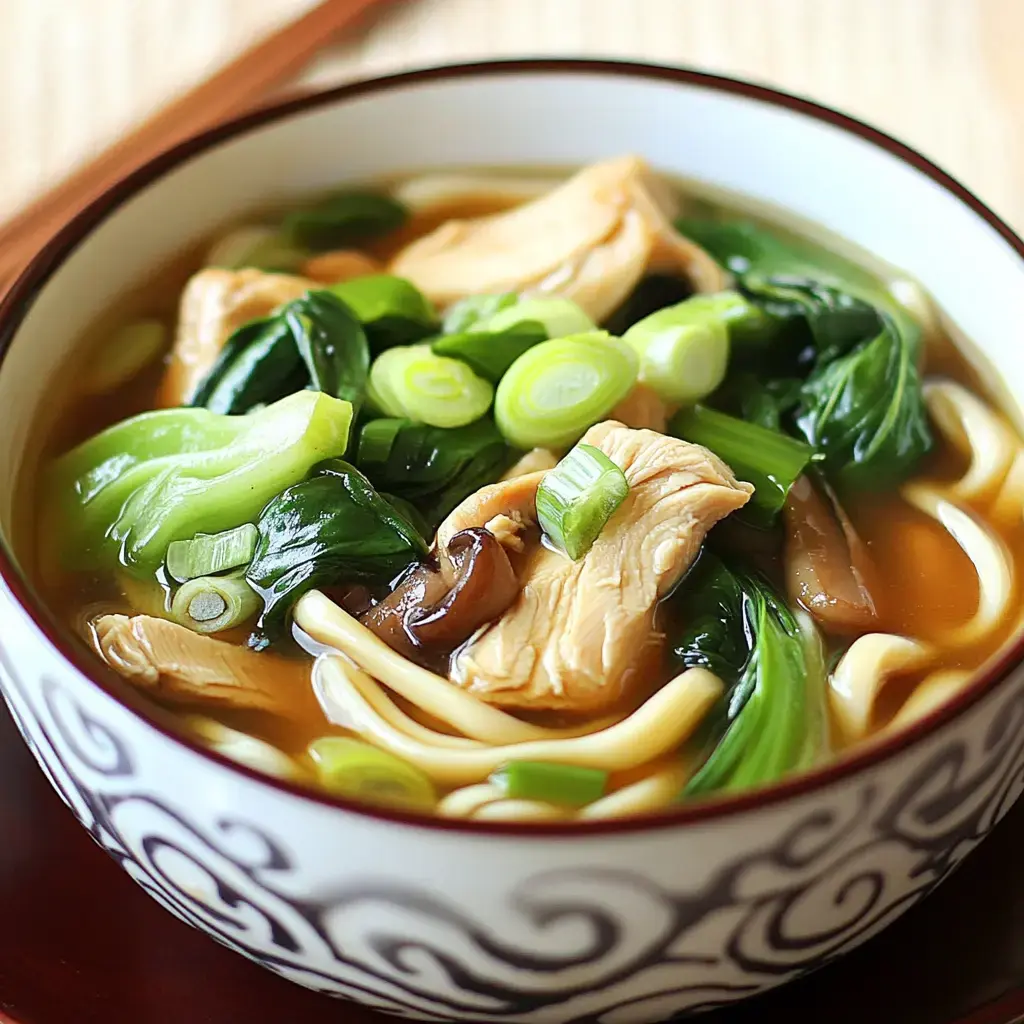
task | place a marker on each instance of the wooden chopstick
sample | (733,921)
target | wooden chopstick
(235,88)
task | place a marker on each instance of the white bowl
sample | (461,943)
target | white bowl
(610,922)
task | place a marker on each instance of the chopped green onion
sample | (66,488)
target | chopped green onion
(126,355)
(255,246)
(212,604)
(412,382)
(208,554)
(551,394)
(769,460)
(490,355)
(393,310)
(562,784)
(470,313)
(560,318)
(343,219)
(684,349)
(577,498)
(377,438)
(354,769)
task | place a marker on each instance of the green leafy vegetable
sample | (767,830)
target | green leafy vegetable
(434,469)
(314,341)
(344,219)
(866,412)
(577,498)
(332,528)
(769,460)
(392,310)
(839,329)
(129,492)
(772,719)
(490,354)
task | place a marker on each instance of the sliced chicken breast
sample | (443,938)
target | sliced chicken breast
(577,637)
(182,667)
(590,239)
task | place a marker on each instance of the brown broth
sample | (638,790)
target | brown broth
(927,584)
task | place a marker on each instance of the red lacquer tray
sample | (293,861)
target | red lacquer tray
(80,944)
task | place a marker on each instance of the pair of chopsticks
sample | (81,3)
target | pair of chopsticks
(237,87)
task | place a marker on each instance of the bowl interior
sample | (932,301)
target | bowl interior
(512,116)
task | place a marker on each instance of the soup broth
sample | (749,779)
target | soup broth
(867,601)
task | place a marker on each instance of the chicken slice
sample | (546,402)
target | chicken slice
(578,636)
(590,239)
(182,667)
(213,305)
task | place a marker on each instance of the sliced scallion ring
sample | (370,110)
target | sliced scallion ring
(554,391)
(577,498)
(413,382)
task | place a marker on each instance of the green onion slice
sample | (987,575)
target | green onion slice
(555,391)
(411,381)
(207,554)
(354,769)
(212,604)
(563,784)
(577,498)
(683,356)
(560,318)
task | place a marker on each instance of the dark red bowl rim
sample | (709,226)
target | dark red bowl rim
(28,285)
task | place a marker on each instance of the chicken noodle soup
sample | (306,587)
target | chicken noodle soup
(532,499)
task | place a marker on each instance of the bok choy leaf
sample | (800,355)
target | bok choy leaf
(772,719)
(126,494)
(332,528)
(840,368)
(430,467)
(313,342)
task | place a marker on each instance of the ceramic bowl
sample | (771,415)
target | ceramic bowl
(618,922)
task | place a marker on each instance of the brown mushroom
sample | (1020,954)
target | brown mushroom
(421,585)
(484,585)
(827,564)
(434,609)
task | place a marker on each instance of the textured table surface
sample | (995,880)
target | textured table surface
(945,75)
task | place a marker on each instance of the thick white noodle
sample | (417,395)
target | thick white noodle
(657,727)
(931,693)
(658,790)
(388,710)
(332,626)
(988,554)
(862,672)
(976,432)
(461,803)
(521,810)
